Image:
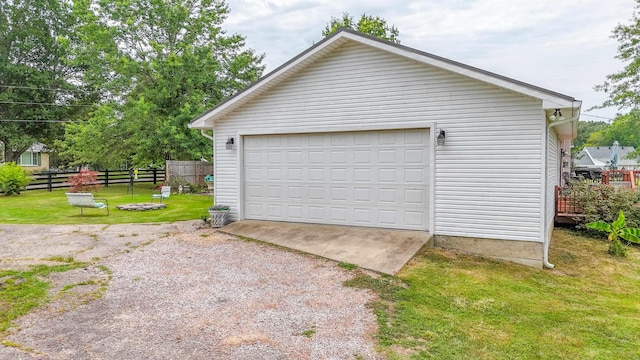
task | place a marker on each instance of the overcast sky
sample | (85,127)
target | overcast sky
(560,45)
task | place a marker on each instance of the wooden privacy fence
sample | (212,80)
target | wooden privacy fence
(56,180)
(193,172)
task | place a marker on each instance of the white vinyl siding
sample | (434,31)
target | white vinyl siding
(487,176)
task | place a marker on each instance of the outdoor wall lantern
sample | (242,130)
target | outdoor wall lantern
(440,138)
(557,115)
(229,143)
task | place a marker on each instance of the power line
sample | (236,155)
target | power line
(37,103)
(599,117)
(39,88)
(34,120)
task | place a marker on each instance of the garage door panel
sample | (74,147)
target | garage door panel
(295,212)
(317,213)
(414,196)
(275,174)
(375,178)
(414,176)
(338,174)
(413,218)
(415,156)
(363,216)
(365,175)
(388,175)
(294,157)
(295,174)
(364,194)
(338,214)
(318,192)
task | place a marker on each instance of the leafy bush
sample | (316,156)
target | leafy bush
(175,181)
(84,181)
(601,202)
(617,230)
(13,178)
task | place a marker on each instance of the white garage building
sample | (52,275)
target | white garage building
(360,131)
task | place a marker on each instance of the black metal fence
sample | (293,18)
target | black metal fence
(55,180)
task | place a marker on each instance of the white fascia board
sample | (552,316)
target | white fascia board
(551,104)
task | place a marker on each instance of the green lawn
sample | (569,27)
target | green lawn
(43,207)
(22,291)
(450,306)
(442,305)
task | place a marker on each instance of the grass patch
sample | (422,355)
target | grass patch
(65,259)
(21,291)
(347,266)
(448,306)
(309,333)
(43,207)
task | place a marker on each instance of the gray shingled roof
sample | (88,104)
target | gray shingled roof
(603,154)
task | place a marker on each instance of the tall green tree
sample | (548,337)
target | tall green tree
(37,81)
(161,63)
(368,24)
(625,129)
(585,129)
(623,87)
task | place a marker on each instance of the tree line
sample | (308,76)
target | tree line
(105,82)
(623,92)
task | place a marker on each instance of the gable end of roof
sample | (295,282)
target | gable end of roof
(300,61)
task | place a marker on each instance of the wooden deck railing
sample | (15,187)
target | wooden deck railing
(566,207)
(625,178)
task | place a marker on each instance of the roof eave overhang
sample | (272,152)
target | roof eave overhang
(568,129)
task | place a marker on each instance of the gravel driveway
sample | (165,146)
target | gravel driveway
(178,292)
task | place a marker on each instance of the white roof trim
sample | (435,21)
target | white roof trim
(550,99)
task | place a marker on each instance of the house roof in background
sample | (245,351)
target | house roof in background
(601,156)
(38,147)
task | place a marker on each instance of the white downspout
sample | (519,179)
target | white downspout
(212,144)
(205,135)
(547,237)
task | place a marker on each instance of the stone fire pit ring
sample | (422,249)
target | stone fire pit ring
(141,207)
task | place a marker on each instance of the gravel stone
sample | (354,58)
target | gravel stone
(200,294)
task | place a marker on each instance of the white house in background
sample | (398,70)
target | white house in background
(35,158)
(359,131)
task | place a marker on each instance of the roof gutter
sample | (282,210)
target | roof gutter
(547,237)
(205,135)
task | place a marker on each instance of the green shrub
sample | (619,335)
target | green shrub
(175,181)
(13,178)
(601,202)
(617,230)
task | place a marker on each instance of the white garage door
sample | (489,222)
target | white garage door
(372,178)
